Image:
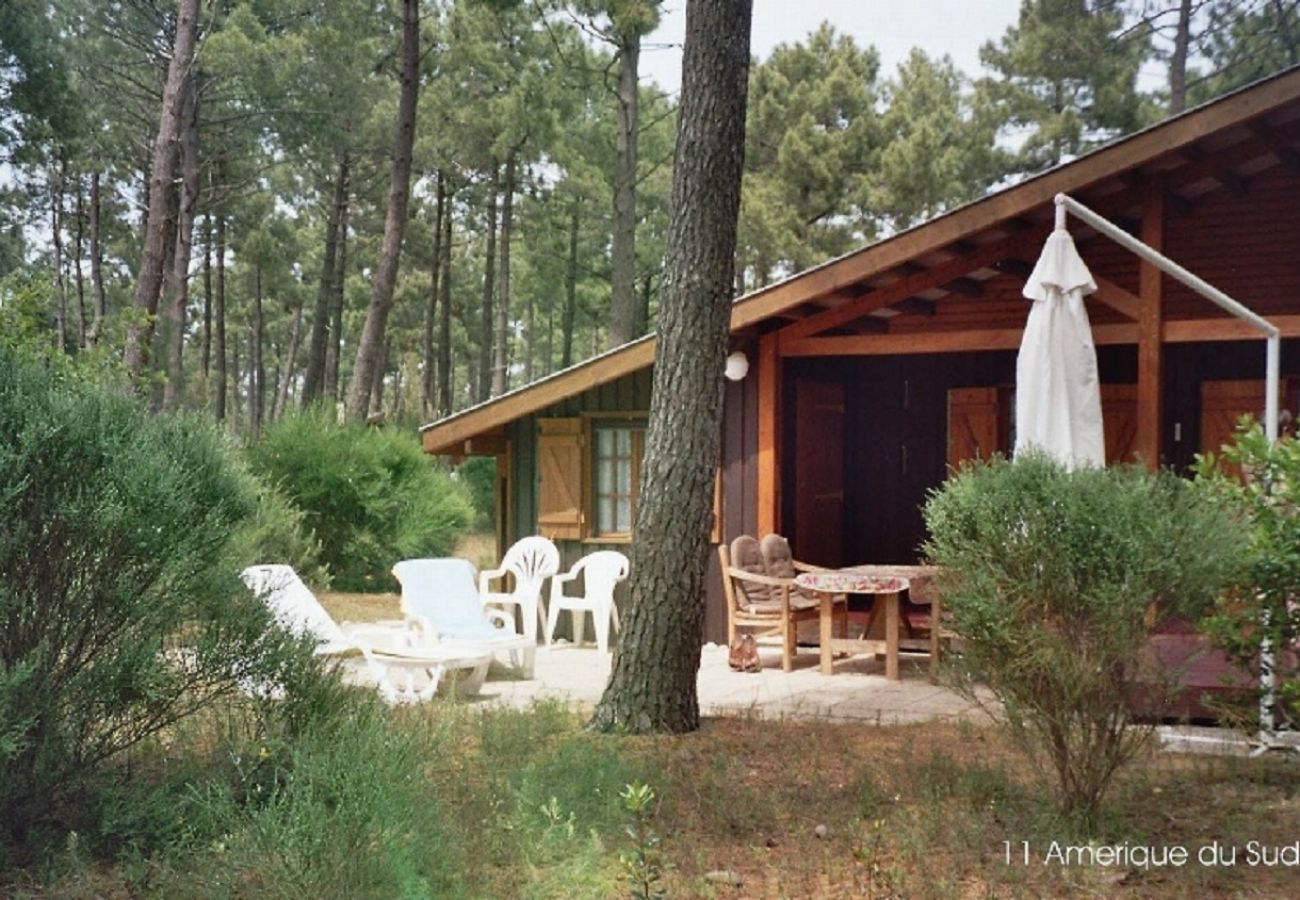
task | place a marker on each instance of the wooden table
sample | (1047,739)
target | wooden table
(884,582)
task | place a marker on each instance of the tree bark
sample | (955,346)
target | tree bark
(656,664)
(179,283)
(56,239)
(570,288)
(483,385)
(501,340)
(427,399)
(622,303)
(1178,60)
(256,371)
(206,348)
(154,257)
(334,342)
(376,402)
(290,368)
(314,376)
(96,263)
(444,319)
(235,398)
(371,344)
(219,314)
(78,249)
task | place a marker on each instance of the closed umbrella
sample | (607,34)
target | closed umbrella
(1058,392)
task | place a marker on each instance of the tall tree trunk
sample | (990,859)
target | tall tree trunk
(290,368)
(56,238)
(381,298)
(236,401)
(1178,60)
(657,660)
(96,263)
(427,399)
(154,257)
(484,383)
(314,376)
(78,245)
(256,369)
(622,302)
(179,284)
(570,288)
(206,348)
(219,313)
(334,341)
(501,341)
(444,319)
(376,402)
(643,303)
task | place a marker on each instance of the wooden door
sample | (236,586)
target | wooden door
(973,424)
(1119,418)
(1223,403)
(819,471)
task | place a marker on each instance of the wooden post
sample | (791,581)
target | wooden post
(769,434)
(1150,330)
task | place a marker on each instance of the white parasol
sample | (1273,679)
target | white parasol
(1058,392)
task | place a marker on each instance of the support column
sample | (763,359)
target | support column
(769,435)
(1150,330)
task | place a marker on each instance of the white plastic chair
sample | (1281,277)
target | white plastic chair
(298,611)
(531,561)
(440,600)
(601,571)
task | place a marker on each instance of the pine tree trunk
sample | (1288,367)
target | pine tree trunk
(427,399)
(235,398)
(56,241)
(314,377)
(1178,60)
(219,313)
(334,342)
(622,303)
(157,224)
(444,319)
(206,360)
(96,263)
(371,343)
(570,289)
(376,402)
(483,385)
(79,240)
(656,664)
(179,290)
(501,340)
(256,370)
(290,367)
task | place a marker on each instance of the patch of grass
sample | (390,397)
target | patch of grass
(361,607)
(479,547)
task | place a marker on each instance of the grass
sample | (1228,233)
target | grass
(454,801)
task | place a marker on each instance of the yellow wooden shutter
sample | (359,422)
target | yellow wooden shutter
(559,476)
(972,424)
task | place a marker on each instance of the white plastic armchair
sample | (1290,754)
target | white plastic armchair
(298,611)
(531,561)
(441,602)
(600,571)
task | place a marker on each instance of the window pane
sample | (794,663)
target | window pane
(624,514)
(604,442)
(624,442)
(605,515)
(605,476)
(624,481)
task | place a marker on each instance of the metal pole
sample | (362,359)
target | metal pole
(1272,368)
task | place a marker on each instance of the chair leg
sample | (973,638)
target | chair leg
(552,619)
(601,624)
(731,629)
(787,645)
(528,612)
(579,626)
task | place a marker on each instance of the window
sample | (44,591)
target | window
(616,465)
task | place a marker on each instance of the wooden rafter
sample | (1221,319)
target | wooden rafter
(1284,150)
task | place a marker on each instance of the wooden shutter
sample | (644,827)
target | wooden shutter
(1119,415)
(560,449)
(972,424)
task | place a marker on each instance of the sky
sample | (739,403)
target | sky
(893,27)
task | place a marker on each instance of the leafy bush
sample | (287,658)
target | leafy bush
(479,475)
(1265,604)
(278,533)
(1049,575)
(370,495)
(120,609)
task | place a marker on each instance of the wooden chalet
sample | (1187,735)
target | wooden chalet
(873,373)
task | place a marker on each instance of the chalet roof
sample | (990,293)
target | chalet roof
(1216,146)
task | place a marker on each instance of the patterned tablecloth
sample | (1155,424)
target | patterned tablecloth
(843,582)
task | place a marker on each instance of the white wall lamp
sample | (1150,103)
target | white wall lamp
(737,366)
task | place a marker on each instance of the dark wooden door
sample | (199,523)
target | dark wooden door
(819,471)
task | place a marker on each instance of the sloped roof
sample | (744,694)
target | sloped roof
(1204,149)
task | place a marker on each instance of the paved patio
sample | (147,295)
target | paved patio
(858,691)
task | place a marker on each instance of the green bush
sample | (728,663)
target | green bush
(278,533)
(370,495)
(479,475)
(120,608)
(1265,603)
(1049,575)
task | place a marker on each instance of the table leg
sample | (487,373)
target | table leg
(826,621)
(891,636)
(935,644)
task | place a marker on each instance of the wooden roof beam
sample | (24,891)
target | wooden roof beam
(916,306)
(1285,152)
(968,287)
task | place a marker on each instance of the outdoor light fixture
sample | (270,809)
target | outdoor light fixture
(737,366)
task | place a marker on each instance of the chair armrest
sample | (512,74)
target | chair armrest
(769,580)
(808,567)
(486,576)
(421,626)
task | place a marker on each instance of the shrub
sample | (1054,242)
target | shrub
(479,475)
(1264,606)
(370,495)
(1049,575)
(120,609)
(278,533)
